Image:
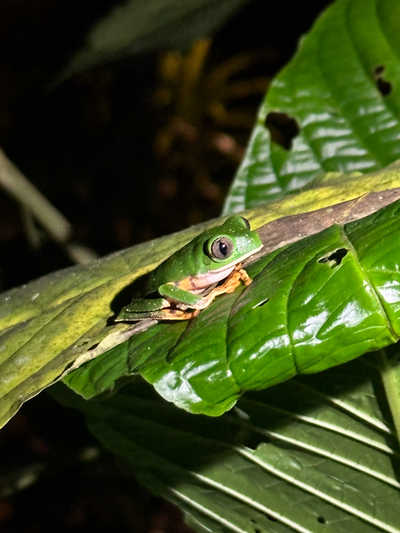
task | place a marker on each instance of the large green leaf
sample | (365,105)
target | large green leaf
(139,25)
(288,321)
(47,324)
(342,91)
(312,455)
(63,319)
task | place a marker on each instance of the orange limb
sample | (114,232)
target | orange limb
(231,283)
(246,279)
(229,286)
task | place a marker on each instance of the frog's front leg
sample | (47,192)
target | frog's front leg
(173,292)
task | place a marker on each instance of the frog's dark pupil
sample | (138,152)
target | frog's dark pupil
(223,248)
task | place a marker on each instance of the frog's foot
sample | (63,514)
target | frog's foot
(246,279)
(167,313)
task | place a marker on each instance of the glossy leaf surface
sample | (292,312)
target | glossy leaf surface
(318,303)
(64,318)
(313,454)
(316,453)
(335,107)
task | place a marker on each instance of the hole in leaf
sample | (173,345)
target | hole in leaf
(335,258)
(384,86)
(260,303)
(283,128)
(321,520)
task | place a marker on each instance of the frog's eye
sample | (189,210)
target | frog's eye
(221,248)
(246,222)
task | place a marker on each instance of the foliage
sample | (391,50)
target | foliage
(316,454)
(288,321)
(138,26)
(334,107)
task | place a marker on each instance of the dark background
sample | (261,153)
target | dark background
(125,158)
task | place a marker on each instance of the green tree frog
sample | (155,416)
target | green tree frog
(192,277)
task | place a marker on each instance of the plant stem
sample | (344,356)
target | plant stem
(54,222)
(16,184)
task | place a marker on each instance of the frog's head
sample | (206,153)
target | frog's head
(210,257)
(231,243)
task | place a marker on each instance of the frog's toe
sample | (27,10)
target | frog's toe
(158,314)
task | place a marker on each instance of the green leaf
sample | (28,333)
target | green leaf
(59,321)
(138,25)
(390,372)
(290,320)
(310,455)
(46,325)
(341,91)
(317,454)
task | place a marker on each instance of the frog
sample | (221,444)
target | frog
(191,278)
